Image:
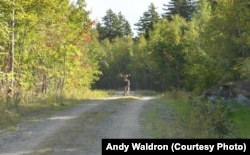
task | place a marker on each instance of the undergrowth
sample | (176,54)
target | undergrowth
(203,118)
(185,116)
(27,104)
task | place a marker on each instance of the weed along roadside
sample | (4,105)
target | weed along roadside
(181,71)
(172,114)
(80,129)
(176,115)
(27,106)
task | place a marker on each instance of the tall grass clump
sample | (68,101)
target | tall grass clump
(8,111)
(8,116)
(28,104)
(202,118)
(240,118)
(86,94)
(210,119)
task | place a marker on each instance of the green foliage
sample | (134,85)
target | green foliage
(55,50)
(166,51)
(118,57)
(212,50)
(26,104)
(184,8)
(240,117)
(243,67)
(112,26)
(192,54)
(8,118)
(148,21)
(192,117)
(211,119)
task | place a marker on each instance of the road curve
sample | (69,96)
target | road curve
(78,130)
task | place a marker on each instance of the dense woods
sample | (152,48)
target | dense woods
(46,45)
(53,46)
(192,46)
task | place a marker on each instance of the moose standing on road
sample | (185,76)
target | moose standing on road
(126,83)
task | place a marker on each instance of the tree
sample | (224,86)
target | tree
(124,27)
(7,45)
(147,21)
(218,51)
(166,52)
(55,45)
(117,59)
(142,65)
(113,26)
(184,8)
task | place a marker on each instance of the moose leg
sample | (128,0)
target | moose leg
(126,90)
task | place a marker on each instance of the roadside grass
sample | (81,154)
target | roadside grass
(24,105)
(160,119)
(147,93)
(178,115)
(240,117)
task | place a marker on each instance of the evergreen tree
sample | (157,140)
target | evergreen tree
(124,26)
(147,21)
(184,8)
(112,26)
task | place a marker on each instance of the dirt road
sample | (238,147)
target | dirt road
(79,130)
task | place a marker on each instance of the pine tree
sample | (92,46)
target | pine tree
(124,26)
(147,21)
(184,8)
(112,26)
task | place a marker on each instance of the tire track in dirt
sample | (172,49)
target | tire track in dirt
(79,130)
(123,123)
(30,134)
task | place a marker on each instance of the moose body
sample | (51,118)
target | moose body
(126,83)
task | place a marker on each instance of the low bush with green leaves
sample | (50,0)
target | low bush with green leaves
(177,114)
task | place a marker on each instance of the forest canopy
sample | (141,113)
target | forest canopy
(54,45)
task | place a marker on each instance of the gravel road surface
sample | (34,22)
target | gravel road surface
(78,130)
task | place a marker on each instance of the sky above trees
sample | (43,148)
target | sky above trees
(131,9)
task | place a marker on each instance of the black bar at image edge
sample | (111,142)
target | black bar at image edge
(168,146)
